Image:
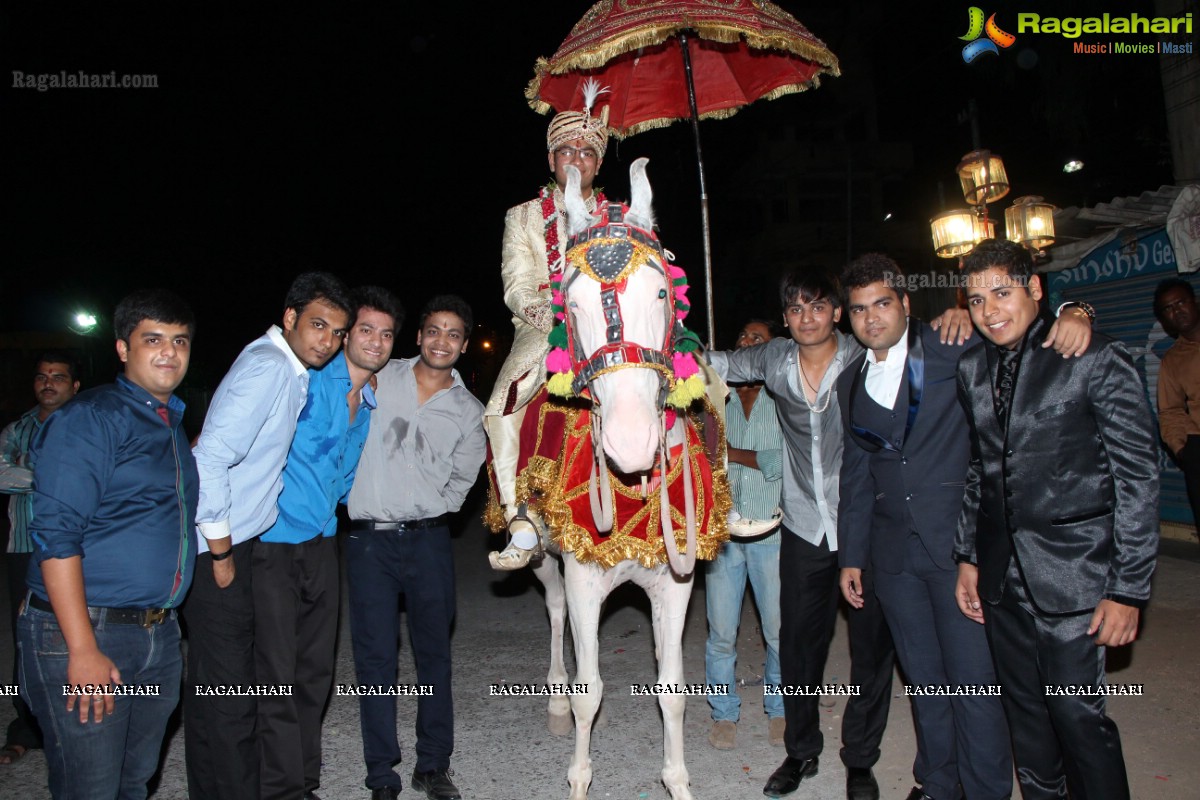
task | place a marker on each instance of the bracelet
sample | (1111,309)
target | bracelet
(221,556)
(1086,308)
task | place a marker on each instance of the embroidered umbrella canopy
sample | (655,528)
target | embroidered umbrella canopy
(665,60)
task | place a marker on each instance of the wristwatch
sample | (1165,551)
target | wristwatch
(1082,306)
(221,556)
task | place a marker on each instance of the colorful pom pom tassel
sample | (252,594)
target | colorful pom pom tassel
(560,384)
(558,361)
(685,392)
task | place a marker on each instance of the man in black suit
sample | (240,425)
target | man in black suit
(902,474)
(1059,527)
(905,459)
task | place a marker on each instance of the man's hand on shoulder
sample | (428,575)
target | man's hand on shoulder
(1114,624)
(954,325)
(1070,334)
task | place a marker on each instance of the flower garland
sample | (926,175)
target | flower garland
(687,384)
(550,216)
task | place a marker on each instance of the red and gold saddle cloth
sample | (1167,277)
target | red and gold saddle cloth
(552,478)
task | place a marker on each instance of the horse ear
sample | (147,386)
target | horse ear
(578,218)
(641,213)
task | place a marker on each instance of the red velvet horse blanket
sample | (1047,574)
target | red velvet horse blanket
(552,478)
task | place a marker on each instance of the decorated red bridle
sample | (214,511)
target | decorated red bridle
(609,253)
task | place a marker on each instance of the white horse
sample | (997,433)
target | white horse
(619,306)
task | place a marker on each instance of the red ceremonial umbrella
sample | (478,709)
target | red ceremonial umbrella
(726,54)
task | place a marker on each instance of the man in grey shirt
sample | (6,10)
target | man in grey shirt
(422,455)
(800,373)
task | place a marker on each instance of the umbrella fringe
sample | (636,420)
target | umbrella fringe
(656,35)
(720,113)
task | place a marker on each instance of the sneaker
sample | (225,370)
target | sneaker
(436,784)
(723,735)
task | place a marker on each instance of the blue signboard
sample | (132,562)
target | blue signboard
(1118,279)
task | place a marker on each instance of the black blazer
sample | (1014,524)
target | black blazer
(1071,487)
(886,491)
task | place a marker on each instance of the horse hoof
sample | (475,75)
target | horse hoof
(561,724)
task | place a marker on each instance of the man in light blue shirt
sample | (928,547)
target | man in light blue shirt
(295,563)
(240,456)
(755,478)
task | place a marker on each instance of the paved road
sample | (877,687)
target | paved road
(504,751)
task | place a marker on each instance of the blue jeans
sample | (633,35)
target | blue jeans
(725,585)
(117,757)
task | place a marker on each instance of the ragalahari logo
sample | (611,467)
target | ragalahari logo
(976,27)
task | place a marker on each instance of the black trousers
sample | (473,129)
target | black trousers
(1062,744)
(219,731)
(23,730)
(961,739)
(808,603)
(1189,462)
(296,590)
(382,567)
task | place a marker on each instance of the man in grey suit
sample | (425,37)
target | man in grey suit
(1059,527)
(905,458)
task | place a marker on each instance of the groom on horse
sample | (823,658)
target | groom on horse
(534,247)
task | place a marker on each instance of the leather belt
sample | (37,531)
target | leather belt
(145,617)
(404,525)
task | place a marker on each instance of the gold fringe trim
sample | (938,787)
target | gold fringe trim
(653,34)
(540,486)
(493,513)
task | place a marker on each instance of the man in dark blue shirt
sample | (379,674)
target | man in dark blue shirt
(114,505)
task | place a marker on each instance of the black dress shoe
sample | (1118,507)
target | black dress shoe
(436,784)
(385,793)
(861,784)
(917,794)
(786,779)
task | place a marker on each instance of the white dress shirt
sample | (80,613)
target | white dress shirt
(884,377)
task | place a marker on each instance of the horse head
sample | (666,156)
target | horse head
(619,308)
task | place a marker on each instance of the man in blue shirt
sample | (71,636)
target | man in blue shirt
(240,455)
(114,503)
(296,586)
(55,381)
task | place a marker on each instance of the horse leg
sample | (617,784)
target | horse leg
(548,572)
(586,586)
(669,597)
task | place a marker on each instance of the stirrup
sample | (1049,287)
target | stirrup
(513,557)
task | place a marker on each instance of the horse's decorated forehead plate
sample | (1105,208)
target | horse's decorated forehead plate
(611,253)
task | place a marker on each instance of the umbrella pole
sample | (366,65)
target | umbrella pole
(708,282)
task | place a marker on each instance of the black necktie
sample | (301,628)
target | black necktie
(1006,379)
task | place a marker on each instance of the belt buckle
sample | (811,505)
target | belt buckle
(153,616)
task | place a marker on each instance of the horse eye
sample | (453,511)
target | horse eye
(662,294)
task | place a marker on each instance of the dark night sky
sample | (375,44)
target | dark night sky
(384,141)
